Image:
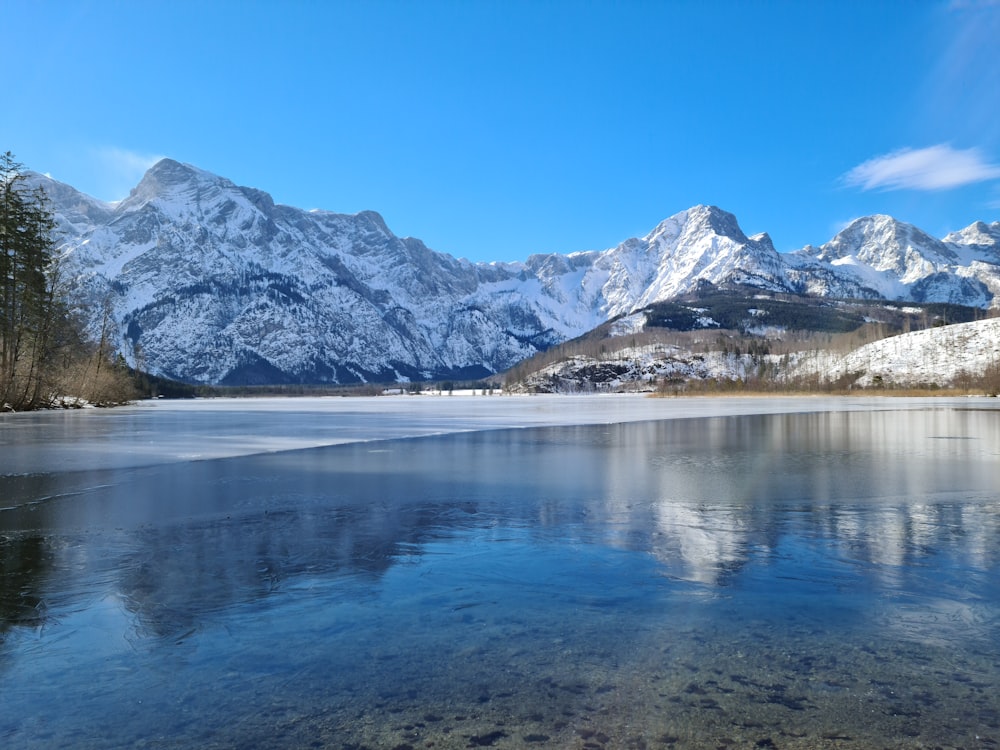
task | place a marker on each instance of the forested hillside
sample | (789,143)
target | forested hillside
(718,343)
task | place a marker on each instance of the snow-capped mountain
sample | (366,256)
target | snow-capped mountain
(210,282)
(206,281)
(701,244)
(980,237)
(895,260)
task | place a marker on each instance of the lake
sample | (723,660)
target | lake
(451,572)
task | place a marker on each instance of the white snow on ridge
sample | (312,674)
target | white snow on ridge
(628,325)
(936,356)
(931,356)
(215,281)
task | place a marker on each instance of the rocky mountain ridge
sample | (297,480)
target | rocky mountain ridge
(209,282)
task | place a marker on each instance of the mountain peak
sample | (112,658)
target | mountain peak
(75,208)
(870,224)
(978,233)
(171,171)
(724,222)
(887,244)
(883,228)
(716,221)
(700,219)
(168,176)
(375,218)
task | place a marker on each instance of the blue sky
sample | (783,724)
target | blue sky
(493,130)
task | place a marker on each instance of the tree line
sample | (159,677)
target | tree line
(46,357)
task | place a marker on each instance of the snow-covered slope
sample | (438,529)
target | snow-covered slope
(210,282)
(939,356)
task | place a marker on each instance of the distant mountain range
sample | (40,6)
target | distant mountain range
(208,282)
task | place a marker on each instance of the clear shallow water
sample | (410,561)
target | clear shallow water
(775,580)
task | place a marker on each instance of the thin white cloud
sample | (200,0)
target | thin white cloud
(126,160)
(840,226)
(934,168)
(973,4)
(120,170)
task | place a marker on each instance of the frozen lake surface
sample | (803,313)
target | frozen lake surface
(156,432)
(452,572)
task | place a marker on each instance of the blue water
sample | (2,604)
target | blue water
(791,580)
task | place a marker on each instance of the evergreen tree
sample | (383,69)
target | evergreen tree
(28,309)
(44,356)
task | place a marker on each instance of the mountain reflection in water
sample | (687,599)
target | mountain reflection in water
(628,580)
